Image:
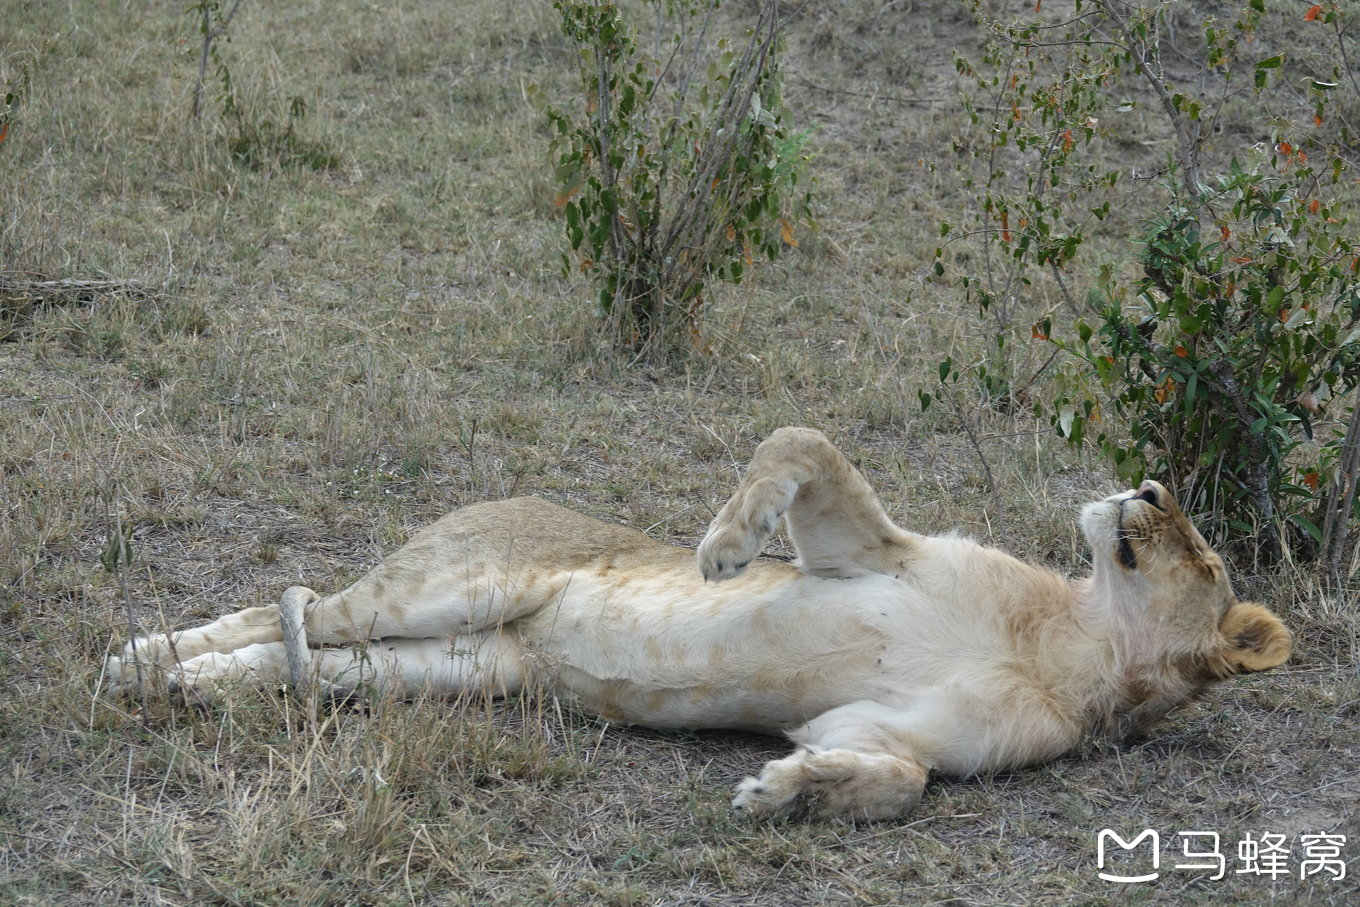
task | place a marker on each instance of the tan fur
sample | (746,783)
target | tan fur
(884,654)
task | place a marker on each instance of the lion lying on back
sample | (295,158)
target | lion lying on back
(883,654)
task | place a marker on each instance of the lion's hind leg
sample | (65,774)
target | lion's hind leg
(480,662)
(147,657)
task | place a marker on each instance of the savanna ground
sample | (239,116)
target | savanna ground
(320,349)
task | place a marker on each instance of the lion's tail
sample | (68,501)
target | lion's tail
(292,617)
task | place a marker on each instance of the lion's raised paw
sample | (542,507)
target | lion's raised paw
(725,552)
(741,529)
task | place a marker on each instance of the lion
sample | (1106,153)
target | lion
(883,654)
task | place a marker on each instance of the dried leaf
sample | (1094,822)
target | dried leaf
(1165,390)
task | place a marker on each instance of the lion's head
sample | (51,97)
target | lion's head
(1175,621)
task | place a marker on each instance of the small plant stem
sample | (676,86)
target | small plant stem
(1188,133)
(1257,477)
(998,505)
(121,561)
(1340,500)
(210,35)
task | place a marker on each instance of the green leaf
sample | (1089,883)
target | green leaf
(1308,526)
(117,550)
(1066,416)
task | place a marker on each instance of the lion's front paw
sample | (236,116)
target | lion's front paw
(776,790)
(725,552)
(766,795)
(742,528)
(834,783)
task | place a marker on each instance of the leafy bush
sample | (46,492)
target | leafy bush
(678,167)
(1216,368)
(1227,352)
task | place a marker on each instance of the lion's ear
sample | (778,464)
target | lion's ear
(1256,639)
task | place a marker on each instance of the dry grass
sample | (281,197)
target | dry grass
(333,357)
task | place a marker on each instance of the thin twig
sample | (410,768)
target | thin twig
(1188,133)
(80,288)
(1258,482)
(998,504)
(119,560)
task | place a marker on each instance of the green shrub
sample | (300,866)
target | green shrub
(676,168)
(1228,349)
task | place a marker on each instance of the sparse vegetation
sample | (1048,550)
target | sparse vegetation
(260,131)
(333,357)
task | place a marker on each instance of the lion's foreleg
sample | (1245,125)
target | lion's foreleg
(864,760)
(743,526)
(835,782)
(835,520)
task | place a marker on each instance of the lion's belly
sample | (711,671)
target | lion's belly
(703,705)
(766,651)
